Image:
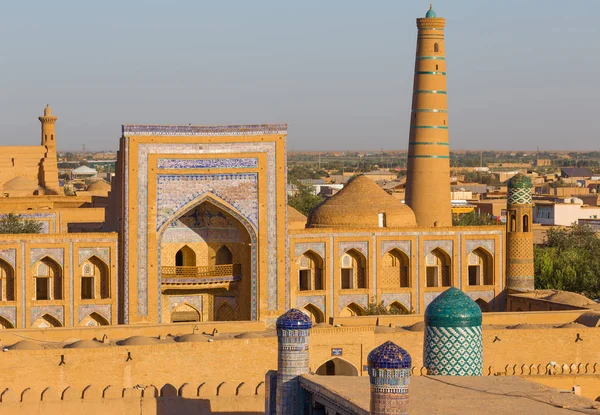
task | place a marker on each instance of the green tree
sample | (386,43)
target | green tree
(379,309)
(472,218)
(569,260)
(13,223)
(305,199)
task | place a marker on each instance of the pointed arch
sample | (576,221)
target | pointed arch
(397,307)
(438,268)
(7,281)
(185,257)
(95,278)
(48,277)
(436,47)
(185,313)
(46,321)
(483,305)
(5,324)
(314,312)
(310,271)
(525,223)
(94,319)
(337,367)
(246,224)
(225,312)
(395,269)
(352,310)
(223,256)
(353,270)
(480,267)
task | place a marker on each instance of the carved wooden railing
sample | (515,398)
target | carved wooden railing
(209,271)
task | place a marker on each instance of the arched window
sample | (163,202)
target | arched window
(481,267)
(95,279)
(7,282)
(225,312)
(525,223)
(353,272)
(436,47)
(352,310)
(315,314)
(185,313)
(185,262)
(310,272)
(513,222)
(48,280)
(438,269)
(395,270)
(337,367)
(223,256)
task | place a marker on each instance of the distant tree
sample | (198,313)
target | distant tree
(379,309)
(13,223)
(305,199)
(472,218)
(569,260)
(481,177)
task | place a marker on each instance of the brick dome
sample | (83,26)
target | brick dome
(359,204)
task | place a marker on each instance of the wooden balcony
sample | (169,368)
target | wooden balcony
(210,274)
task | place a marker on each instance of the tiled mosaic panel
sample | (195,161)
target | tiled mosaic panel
(57,254)
(362,247)
(177,300)
(101,253)
(444,245)
(292,361)
(9,313)
(404,299)
(220,163)
(487,244)
(203,130)
(453,351)
(429,297)
(345,300)
(55,311)
(9,255)
(391,402)
(101,309)
(316,300)
(317,247)
(178,148)
(484,295)
(404,246)
(519,196)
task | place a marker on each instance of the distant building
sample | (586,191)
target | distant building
(566,212)
(575,172)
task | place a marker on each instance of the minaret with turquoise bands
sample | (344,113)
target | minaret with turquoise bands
(428,167)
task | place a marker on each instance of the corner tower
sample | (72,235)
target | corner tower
(48,175)
(428,168)
(519,235)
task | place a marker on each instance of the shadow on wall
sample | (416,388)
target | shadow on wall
(176,405)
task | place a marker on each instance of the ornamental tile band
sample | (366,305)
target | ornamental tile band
(316,247)
(101,253)
(203,130)
(57,254)
(10,256)
(9,313)
(225,163)
(487,244)
(362,247)
(101,309)
(55,311)
(404,246)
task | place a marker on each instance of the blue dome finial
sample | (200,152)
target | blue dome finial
(430,12)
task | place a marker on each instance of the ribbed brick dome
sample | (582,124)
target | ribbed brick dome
(359,204)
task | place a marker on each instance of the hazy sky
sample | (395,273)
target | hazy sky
(521,73)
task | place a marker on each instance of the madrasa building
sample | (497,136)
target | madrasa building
(197,228)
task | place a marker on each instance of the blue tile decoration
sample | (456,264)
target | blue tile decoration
(453,343)
(56,311)
(57,254)
(337,351)
(293,330)
(405,299)
(193,300)
(220,163)
(445,245)
(103,310)
(10,256)
(487,244)
(362,247)
(203,130)
(389,368)
(519,190)
(145,149)
(404,246)
(10,314)
(125,229)
(317,247)
(346,299)
(316,300)
(86,253)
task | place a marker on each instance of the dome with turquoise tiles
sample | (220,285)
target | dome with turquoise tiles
(453,308)
(430,12)
(519,181)
(294,319)
(389,356)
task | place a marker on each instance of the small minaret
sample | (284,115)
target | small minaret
(389,374)
(293,329)
(428,164)
(453,344)
(48,167)
(519,235)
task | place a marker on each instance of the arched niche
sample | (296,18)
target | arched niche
(7,281)
(94,320)
(185,313)
(480,267)
(397,307)
(95,279)
(315,313)
(438,268)
(185,257)
(395,269)
(46,321)
(337,367)
(5,324)
(225,312)
(352,310)
(223,256)
(48,279)
(310,271)
(353,270)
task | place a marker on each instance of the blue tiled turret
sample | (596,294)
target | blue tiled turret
(453,343)
(293,329)
(389,373)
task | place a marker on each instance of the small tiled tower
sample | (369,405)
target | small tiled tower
(428,163)
(389,373)
(48,166)
(293,329)
(519,235)
(453,344)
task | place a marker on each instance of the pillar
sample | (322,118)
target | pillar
(293,329)
(48,166)
(389,375)
(428,164)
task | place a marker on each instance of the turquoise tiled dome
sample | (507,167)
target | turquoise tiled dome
(453,308)
(430,13)
(519,181)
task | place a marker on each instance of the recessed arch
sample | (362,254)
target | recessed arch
(395,269)
(7,281)
(353,270)
(438,268)
(5,324)
(396,307)
(48,278)
(310,271)
(185,257)
(225,312)
(352,310)
(95,278)
(314,312)
(226,207)
(480,267)
(185,313)
(94,319)
(436,47)
(46,321)
(223,256)
(337,367)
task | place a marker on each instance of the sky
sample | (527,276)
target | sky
(521,74)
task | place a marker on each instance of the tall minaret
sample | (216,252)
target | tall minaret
(48,166)
(428,169)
